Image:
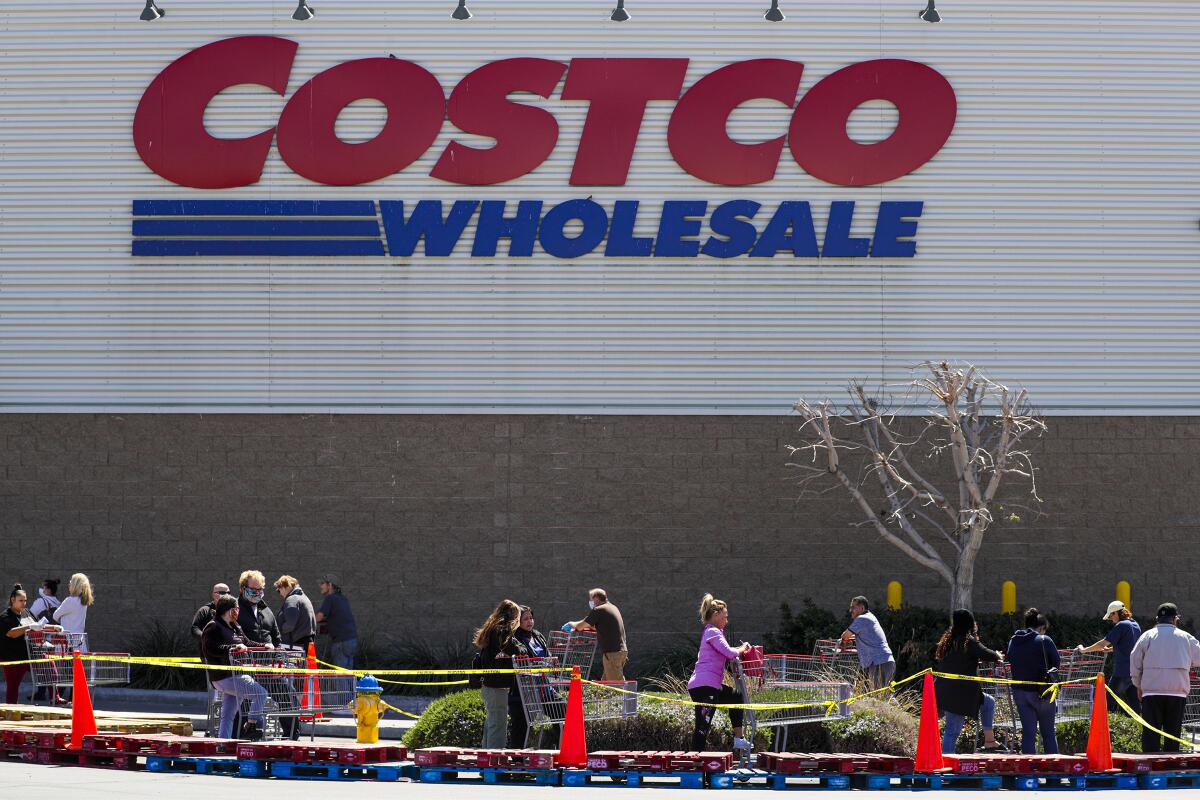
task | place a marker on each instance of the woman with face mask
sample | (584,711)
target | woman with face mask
(15,622)
(256,619)
(222,638)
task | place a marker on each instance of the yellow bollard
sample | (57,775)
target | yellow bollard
(1008,597)
(895,595)
(1123,593)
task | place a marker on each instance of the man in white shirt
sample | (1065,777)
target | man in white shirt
(1160,665)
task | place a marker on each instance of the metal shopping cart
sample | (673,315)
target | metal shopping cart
(810,686)
(51,653)
(1191,711)
(544,695)
(291,694)
(1079,670)
(842,661)
(574,649)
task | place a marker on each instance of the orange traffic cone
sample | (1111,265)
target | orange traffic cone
(573,752)
(312,686)
(83,718)
(1099,751)
(929,740)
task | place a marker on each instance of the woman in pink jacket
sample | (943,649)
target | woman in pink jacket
(706,684)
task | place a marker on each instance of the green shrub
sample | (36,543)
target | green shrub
(875,726)
(1126,735)
(165,641)
(454,720)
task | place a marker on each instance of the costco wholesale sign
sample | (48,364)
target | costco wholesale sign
(537,210)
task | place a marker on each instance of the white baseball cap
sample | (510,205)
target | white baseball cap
(1113,607)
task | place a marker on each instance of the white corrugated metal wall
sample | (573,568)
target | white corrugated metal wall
(1058,245)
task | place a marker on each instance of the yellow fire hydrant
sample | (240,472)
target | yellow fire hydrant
(368,709)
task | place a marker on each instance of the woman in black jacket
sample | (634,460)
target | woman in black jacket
(497,645)
(223,637)
(959,651)
(535,645)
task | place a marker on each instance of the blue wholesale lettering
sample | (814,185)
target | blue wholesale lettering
(568,230)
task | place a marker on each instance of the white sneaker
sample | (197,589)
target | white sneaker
(740,744)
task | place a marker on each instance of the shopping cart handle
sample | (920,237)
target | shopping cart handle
(567,627)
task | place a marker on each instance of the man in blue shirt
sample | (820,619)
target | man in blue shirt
(867,635)
(1119,641)
(338,621)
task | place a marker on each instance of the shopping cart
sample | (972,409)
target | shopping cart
(574,649)
(291,694)
(1191,711)
(544,695)
(51,653)
(1079,671)
(842,660)
(810,685)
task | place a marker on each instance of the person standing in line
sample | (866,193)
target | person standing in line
(297,620)
(1034,657)
(338,620)
(1119,641)
(254,616)
(959,651)
(498,643)
(222,638)
(42,609)
(536,647)
(15,622)
(72,612)
(874,654)
(707,682)
(47,601)
(206,612)
(1159,665)
(605,619)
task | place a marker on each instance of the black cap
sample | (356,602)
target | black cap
(1168,611)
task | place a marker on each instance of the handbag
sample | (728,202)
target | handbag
(475,680)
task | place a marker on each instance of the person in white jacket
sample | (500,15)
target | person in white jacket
(1159,665)
(72,614)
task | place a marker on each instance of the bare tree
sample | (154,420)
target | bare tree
(979,423)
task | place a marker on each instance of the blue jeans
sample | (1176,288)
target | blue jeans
(956,722)
(342,653)
(1037,713)
(234,690)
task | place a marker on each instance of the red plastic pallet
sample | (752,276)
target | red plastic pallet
(1131,763)
(516,759)
(172,745)
(881,762)
(120,743)
(445,757)
(82,758)
(966,764)
(660,761)
(50,738)
(798,763)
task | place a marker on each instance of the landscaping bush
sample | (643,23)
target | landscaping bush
(875,726)
(165,641)
(454,720)
(1126,735)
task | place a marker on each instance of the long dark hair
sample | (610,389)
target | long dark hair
(504,620)
(16,590)
(954,640)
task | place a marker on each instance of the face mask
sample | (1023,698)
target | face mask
(252,595)
(591,603)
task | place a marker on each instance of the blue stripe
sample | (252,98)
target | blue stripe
(257,247)
(260,208)
(255,228)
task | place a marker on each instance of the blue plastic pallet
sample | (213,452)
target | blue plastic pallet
(242,768)
(1169,780)
(775,780)
(537,777)
(1040,782)
(297,770)
(924,781)
(633,777)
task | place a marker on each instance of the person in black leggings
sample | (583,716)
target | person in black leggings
(706,684)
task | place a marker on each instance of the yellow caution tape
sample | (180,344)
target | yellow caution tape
(391,707)
(1138,719)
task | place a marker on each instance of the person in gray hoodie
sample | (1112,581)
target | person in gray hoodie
(297,620)
(1159,665)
